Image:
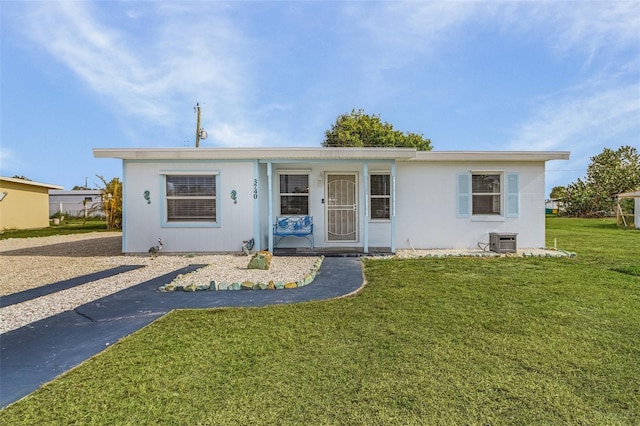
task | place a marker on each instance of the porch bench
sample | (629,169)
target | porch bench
(293,226)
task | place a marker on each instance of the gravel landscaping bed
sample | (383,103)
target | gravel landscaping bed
(33,262)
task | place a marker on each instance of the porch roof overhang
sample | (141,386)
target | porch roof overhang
(307,153)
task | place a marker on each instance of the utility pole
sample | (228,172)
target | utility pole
(200,132)
(198,125)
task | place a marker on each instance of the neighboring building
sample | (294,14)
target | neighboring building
(552,206)
(212,199)
(24,204)
(76,203)
(635,195)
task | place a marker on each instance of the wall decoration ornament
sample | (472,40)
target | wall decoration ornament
(234,196)
(147,196)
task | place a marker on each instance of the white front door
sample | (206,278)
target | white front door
(342,207)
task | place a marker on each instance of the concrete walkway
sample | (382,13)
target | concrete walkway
(39,352)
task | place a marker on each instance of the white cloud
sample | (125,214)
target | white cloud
(586,118)
(583,123)
(237,136)
(187,53)
(589,27)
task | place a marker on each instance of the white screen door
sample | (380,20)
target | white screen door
(342,207)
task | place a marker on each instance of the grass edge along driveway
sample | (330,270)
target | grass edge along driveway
(428,341)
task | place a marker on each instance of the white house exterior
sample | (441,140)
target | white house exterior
(213,199)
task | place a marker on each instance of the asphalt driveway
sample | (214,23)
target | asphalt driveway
(39,352)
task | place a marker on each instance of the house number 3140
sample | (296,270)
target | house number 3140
(255,189)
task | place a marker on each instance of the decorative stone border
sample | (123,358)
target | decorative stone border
(246,285)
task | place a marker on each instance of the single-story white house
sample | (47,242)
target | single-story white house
(209,200)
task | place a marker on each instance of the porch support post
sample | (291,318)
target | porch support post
(256,206)
(393,207)
(365,173)
(270,205)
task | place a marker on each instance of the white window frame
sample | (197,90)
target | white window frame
(378,196)
(500,194)
(509,196)
(191,222)
(281,194)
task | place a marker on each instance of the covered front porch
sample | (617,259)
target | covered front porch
(348,203)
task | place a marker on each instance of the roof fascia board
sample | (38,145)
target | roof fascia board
(324,154)
(30,182)
(255,153)
(491,155)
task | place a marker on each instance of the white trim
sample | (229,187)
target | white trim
(166,223)
(183,172)
(307,153)
(486,216)
(30,182)
(293,171)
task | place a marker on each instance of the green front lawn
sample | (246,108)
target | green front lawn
(72,226)
(433,341)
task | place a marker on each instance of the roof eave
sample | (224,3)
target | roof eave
(255,153)
(30,182)
(491,155)
(305,153)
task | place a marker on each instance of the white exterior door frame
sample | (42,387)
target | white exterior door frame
(341,207)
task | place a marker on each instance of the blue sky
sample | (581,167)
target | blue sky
(468,75)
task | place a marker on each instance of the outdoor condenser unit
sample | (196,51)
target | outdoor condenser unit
(502,242)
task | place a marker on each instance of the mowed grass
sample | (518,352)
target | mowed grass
(428,341)
(72,226)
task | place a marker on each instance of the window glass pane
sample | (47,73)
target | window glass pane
(191,198)
(191,209)
(197,185)
(488,184)
(380,185)
(380,208)
(486,204)
(294,204)
(294,184)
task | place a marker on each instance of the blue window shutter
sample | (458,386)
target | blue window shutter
(513,195)
(463,198)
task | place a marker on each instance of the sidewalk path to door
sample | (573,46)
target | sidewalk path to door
(39,352)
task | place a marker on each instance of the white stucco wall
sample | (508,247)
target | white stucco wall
(143,222)
(426,206)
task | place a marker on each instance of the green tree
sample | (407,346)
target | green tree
(609,173)
(358,129)
(612,172)
(557,192)
(112,201)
